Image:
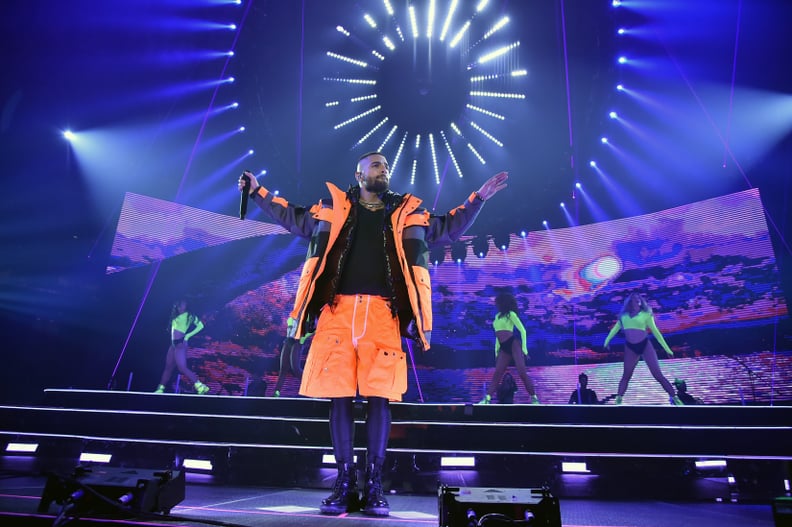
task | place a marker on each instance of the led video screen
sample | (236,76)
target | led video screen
(707,269)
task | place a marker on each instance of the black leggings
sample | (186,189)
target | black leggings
(342,428)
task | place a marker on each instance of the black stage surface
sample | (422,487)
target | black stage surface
(266,506)
(267,466)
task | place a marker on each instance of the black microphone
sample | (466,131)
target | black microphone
(245,195)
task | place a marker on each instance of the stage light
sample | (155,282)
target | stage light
(434,160)
(69,135)
(621,31)
(458,251)
(578,186)
(241,128)
(501,241)
(497,53)
(430,27)
(437,254)
(458,462)
(613,115)
(413,21)
(620,87)
(705,464)
(603,140)
(89,457)
(430,20)
(197,464)
(523,234)
(563,206)
(448,18)
(592,163)
(545,224)
(22,448)
(329,459)
(481,246)
(577,467)
(459,34)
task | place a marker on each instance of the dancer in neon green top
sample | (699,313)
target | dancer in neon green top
(508,347)
(181,321)
(635,319)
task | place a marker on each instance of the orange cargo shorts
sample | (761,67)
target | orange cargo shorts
(356,349)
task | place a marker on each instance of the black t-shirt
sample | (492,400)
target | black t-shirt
(587,396)
(365,267)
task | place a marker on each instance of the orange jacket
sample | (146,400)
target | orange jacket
(414,230)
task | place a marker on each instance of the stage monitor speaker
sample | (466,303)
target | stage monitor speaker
(782,511)
(466,506)
(114,490)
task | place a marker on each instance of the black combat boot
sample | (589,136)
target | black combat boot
(374,502)
(345,492)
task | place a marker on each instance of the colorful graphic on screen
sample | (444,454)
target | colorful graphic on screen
(707,270)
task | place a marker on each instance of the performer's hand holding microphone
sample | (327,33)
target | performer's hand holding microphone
(247,184)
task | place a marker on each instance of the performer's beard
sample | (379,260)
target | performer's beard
(376,185)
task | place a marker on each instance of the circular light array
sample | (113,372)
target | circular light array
(429,86)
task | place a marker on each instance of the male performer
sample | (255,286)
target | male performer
(365,284)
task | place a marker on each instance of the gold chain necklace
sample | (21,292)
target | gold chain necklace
(371,206)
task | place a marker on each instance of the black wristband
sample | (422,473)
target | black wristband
(479,196)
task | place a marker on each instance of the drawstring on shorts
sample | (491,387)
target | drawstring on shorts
(354,319)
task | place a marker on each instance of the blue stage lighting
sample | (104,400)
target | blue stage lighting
(501,241)
(458,251)
(481,246)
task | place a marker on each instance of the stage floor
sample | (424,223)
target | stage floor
(267,467)
(283,507)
